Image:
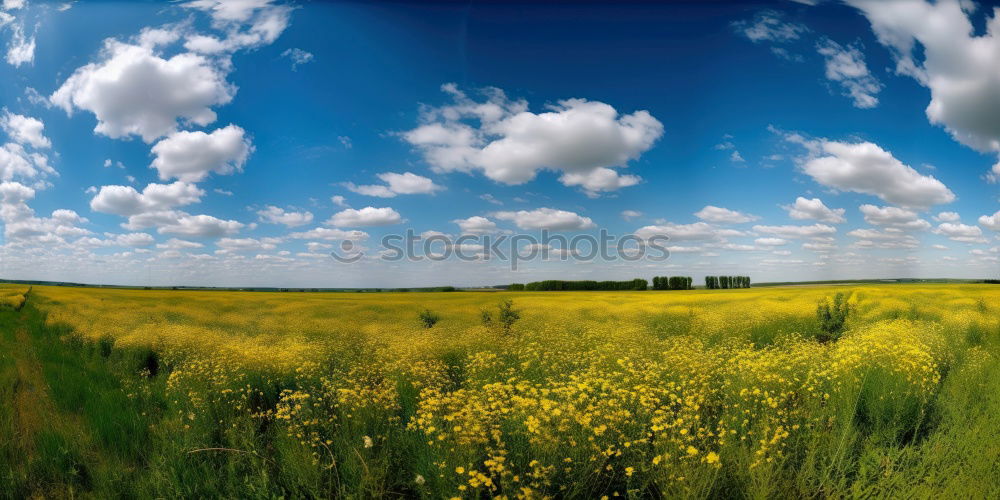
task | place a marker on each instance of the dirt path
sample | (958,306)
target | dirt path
(33,407)
(43,436)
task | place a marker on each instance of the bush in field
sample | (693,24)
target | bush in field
(105,345)
(428,318)
(505,318)
(832,317)
(507,315)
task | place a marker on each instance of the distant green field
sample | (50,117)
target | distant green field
(901,281)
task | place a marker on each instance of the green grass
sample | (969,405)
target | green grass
(78,421)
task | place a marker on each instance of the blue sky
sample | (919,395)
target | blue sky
(240,142)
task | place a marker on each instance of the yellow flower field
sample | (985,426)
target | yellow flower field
(698,393)
(12,296)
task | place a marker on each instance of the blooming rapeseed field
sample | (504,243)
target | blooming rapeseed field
(12,296)
(684,393)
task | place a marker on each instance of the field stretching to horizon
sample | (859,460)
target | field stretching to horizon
(888,391)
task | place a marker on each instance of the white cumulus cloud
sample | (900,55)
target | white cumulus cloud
(724,215)
(866,168)
(21,49)
(326,233)
(630,214)
(126,201)
(846,66)
(770,26)
(247,244)
(580,139)
(178,244)
(132,240)
(790,231)
(947,217)
(891,238)
(894,217)
(698,231)
(277,215)
(201,226)
(991,222)
(964,233)
(395,184)
(368,216)
(546,218)
(770,242)
(599,180)
(15,161)
(246,24)
(190,156)
(227,11)
(815,209)
(132,89)
(476,225)
(24,130)
(938,45)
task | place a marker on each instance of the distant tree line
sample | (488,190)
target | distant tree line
(992,282)
(427,289)
(717,282)
(659,283)
(380,290)
(587,285)
(672,283)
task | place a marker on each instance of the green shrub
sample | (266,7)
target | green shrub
(428,318)
(505,318)
(105,345)
(832,317)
